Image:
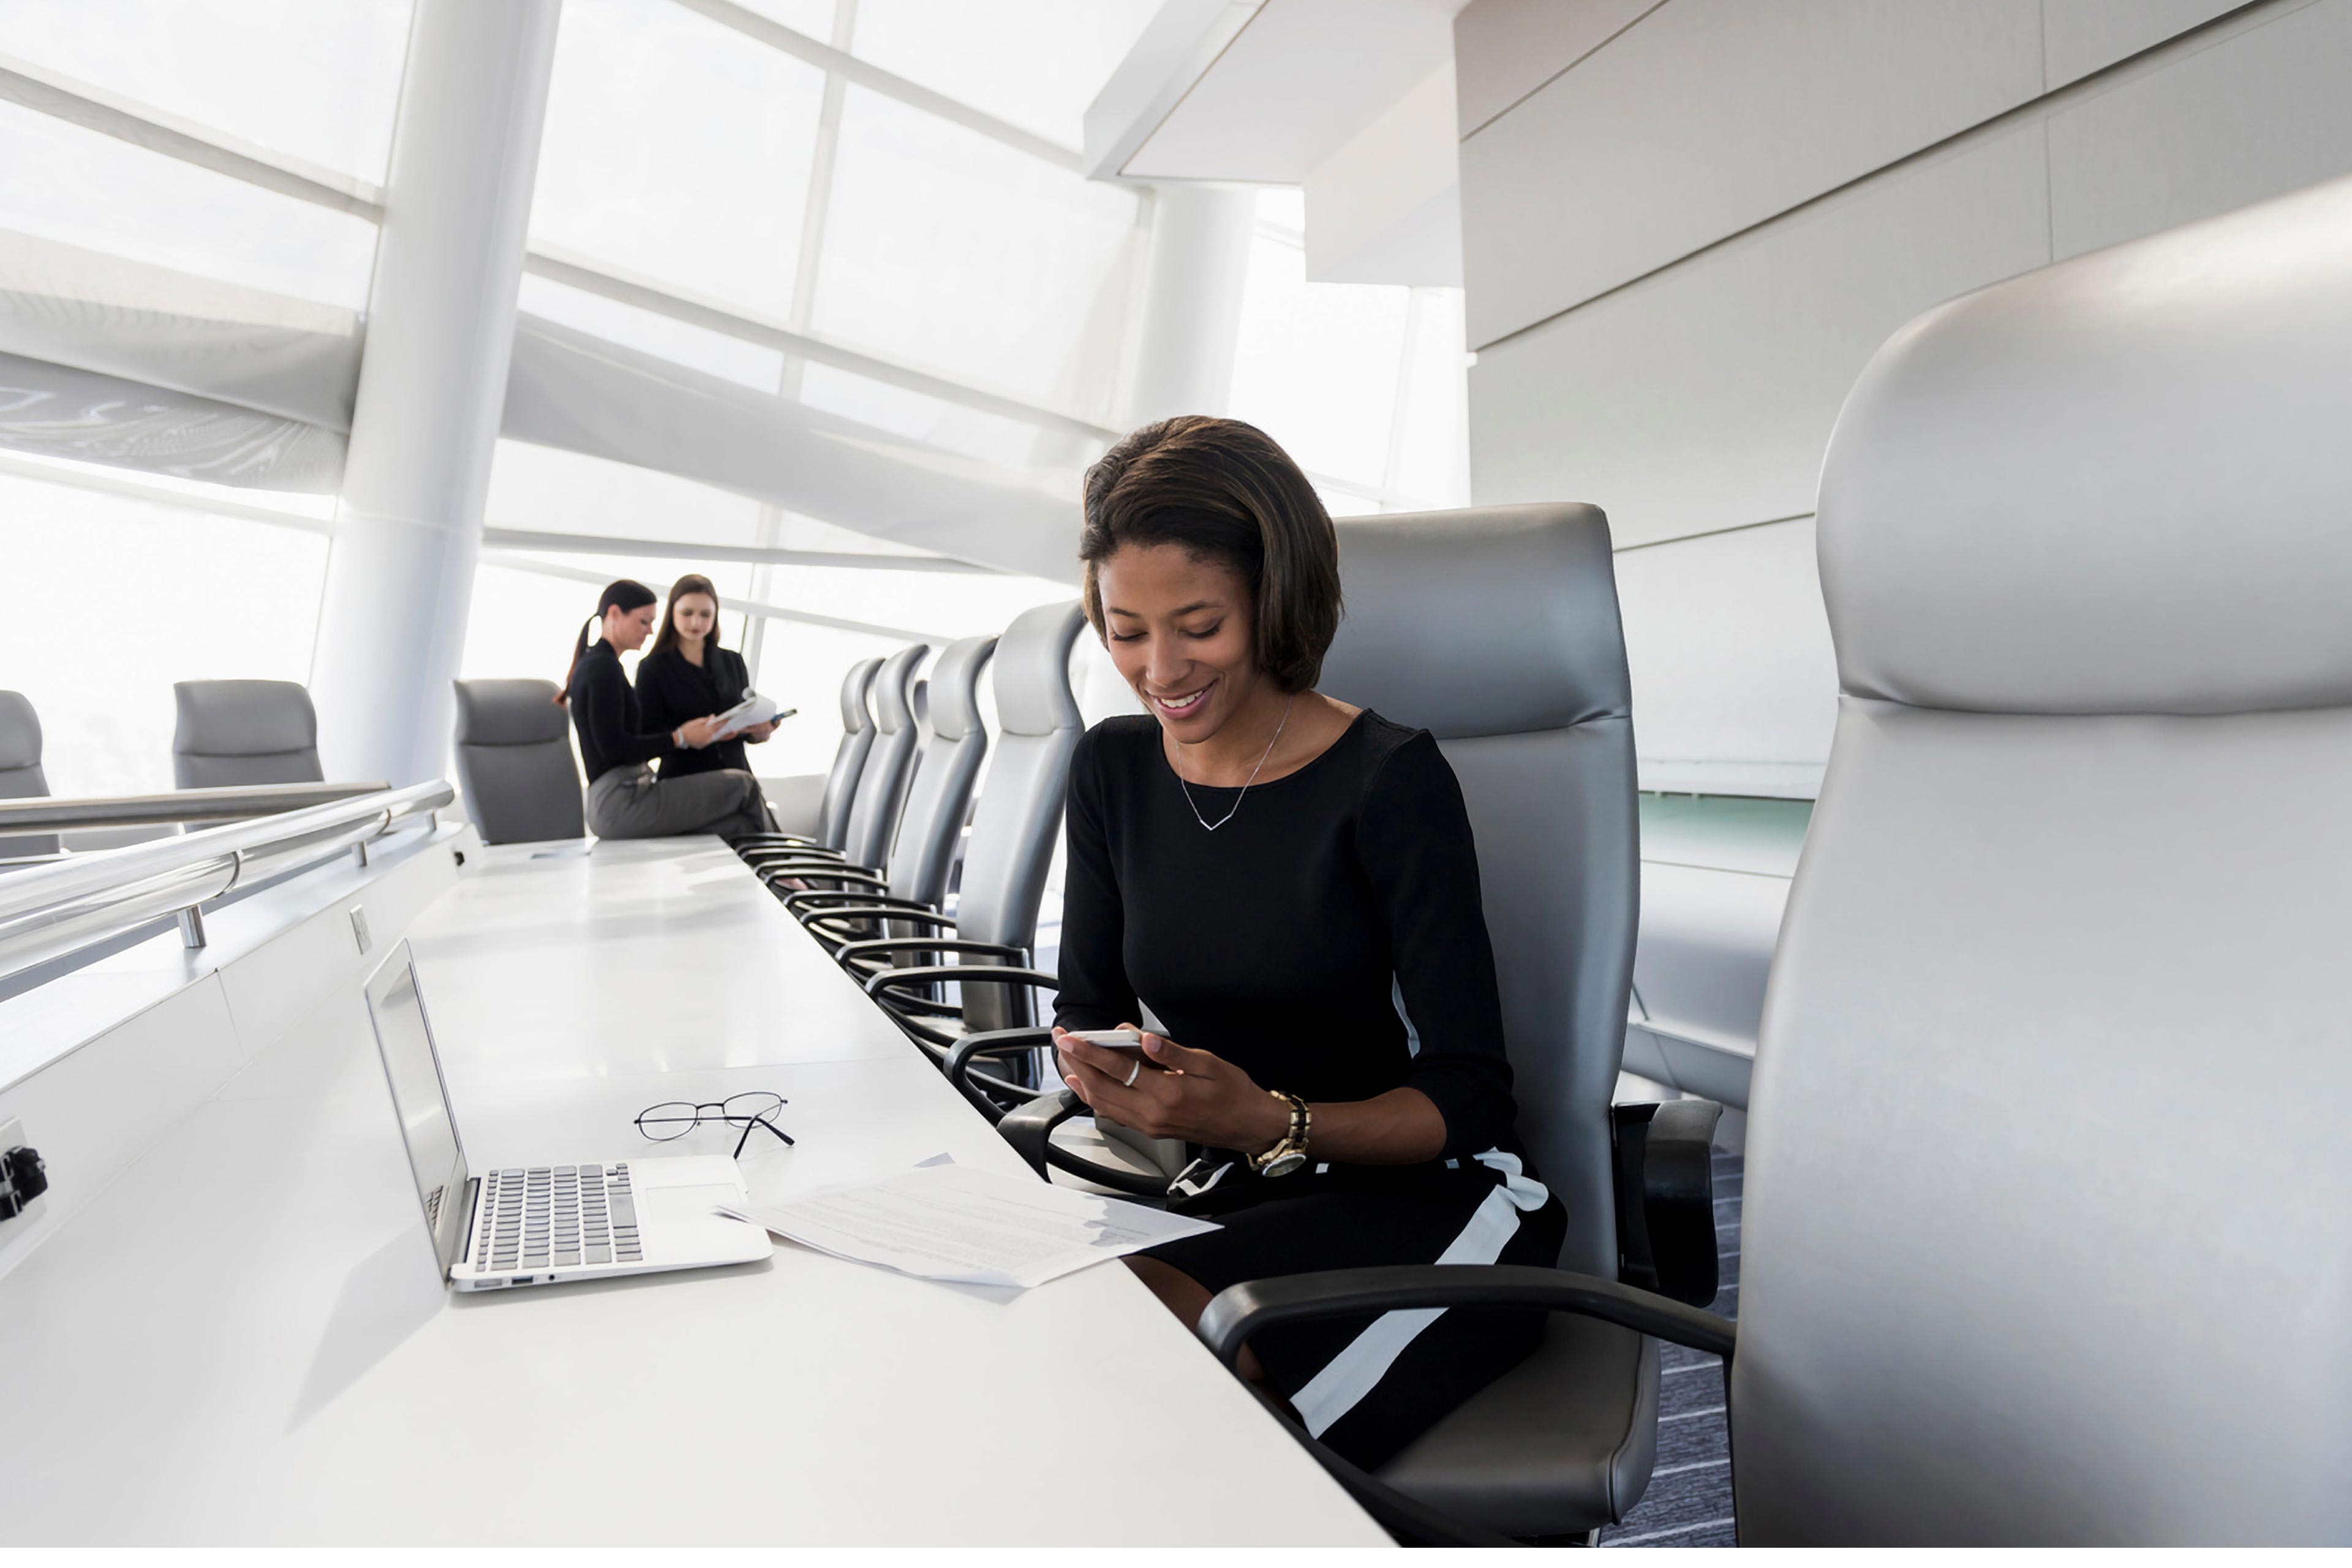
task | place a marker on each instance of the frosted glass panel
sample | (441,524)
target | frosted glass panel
(680,343)
(317,78)
(68,184)
(565,493)
(811,18)
(119,599)
(679,149)
(947,249)
(1035,64)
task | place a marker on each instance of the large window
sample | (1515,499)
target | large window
(114,597)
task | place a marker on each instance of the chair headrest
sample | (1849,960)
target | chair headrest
(20,733)
(955,688)
(1482,584)
(855,713)
(1033,671)
(243,717)
(894,689)
(2117,485)
(508,712)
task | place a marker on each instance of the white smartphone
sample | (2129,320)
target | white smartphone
(1109,1039)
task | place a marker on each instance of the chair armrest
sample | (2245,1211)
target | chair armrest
(912,913)
(991,1043)
(1030,1130)
(1665,1197)
(1241,1310)
(780,840)
(1030,1127)
(822,900)
(851,953)
(759,852)
(958,975)
(821,871)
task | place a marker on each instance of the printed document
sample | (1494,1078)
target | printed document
(753,710)
(973,1227)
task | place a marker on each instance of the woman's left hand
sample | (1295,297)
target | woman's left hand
(758,732)
(1181,1093)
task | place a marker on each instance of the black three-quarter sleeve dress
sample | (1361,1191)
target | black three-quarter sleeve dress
(1330,939)
(673,690)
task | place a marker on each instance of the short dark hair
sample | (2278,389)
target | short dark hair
(1224,491)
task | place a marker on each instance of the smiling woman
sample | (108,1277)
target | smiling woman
(1289,884)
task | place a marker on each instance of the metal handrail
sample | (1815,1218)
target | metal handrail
(47,911)
(230,803)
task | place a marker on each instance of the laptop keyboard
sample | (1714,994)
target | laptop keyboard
(547,1217)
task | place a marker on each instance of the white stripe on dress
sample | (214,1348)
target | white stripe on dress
(1411,1034)
(1357,1369)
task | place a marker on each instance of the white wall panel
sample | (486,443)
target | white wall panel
(1712,115)
(1702,397)
(1730,652)
(1504,49)
(2257,114)
(2083,36)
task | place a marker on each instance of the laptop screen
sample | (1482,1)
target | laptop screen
(414,1070)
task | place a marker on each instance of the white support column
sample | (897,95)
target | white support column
(1192,301)
(440,334)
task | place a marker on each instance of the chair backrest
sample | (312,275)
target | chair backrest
(882,782)
(1496,629)
(849,757)
(930,828)
(515,762)
(2045,1238)
(20,770)
(1018,821)
(244,733)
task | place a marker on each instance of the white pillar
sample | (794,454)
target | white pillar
(440,332)
(1192,301)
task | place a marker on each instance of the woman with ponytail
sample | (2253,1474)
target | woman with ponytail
(625,799)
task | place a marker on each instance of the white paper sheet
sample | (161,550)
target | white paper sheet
(952,1223)
(753,710)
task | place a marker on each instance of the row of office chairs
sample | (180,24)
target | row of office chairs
(229,732)
(876,919)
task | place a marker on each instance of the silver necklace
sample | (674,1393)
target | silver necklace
(1203,821)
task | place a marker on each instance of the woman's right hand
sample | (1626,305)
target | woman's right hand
(698,733)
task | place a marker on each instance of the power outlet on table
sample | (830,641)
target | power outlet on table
(22,1182)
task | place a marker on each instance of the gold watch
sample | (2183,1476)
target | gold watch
(1290,1153)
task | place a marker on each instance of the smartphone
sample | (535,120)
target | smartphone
(1109,1039)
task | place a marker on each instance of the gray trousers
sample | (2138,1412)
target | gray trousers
(631,803)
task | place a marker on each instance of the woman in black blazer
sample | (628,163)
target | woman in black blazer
(688,675)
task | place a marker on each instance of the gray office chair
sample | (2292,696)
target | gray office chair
(515,761)
(1496,629)
(20,772)
(881,782)
(2043,1239)
(244,733)
(930,829)
(840,780)
(1011,847)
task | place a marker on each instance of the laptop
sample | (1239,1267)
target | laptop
(544,1225)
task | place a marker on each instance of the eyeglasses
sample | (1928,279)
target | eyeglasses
(676,1118)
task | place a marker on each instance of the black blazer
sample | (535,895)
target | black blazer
(671,690)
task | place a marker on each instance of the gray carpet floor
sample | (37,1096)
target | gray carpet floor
(1690,1500)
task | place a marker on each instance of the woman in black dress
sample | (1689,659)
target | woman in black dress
(688,674)
(1290,885)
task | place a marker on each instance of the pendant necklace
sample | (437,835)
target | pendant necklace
(1203,821)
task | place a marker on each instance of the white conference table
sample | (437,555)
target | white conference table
(244,1338)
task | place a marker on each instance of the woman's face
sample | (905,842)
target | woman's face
(694,616)
(1182,632)
(628,630)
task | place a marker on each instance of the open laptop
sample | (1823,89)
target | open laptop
(543,1225)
